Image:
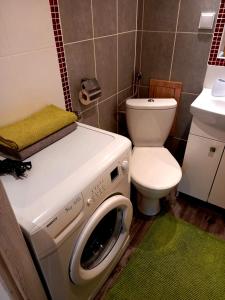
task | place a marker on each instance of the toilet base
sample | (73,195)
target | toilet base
(148,206)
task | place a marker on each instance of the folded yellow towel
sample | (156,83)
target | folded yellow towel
(37,126)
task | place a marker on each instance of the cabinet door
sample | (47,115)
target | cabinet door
(217,195)
(199,166)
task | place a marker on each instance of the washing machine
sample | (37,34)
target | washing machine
(74,210)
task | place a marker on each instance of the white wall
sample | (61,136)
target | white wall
(29,71)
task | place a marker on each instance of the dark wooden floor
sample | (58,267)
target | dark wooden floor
(203,215)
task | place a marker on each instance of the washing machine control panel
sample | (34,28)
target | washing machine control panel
(104,185)
(98,189)
(59,222)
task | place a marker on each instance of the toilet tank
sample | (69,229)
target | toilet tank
(149,120)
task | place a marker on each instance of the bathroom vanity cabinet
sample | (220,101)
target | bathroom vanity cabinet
(204,164)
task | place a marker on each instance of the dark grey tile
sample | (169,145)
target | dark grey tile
(190,60)
(76,20)
(104,16)
(90,117)
(160,15)
(157,50)
(122,96)
(80,64)
(126,52)
(184,117)
(106,64)
(127,10)
(122,124)
(138,51)
(140,14)
(191,10)
(108,114)
(143,92)
(122,107)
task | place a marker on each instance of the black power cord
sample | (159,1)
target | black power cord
(14,167)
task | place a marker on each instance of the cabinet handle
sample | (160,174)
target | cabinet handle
(212,149)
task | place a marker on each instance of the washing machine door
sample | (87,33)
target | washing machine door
(101,239)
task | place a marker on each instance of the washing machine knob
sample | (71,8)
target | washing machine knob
(125,165)
(90,201)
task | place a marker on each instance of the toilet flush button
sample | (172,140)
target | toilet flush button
(125,165)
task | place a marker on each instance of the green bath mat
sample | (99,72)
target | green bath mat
(175,261)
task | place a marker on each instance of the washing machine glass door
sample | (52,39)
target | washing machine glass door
(101,239)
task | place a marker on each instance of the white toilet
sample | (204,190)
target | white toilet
(154,171)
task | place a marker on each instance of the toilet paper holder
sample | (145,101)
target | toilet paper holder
(90,91)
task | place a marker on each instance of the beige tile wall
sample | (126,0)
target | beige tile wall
(29,72)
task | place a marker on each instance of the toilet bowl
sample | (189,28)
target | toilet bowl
(154,171)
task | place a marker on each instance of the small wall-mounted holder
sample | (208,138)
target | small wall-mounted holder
(90,91)
(206,20)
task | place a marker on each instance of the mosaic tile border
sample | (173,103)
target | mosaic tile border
(54,7)
(217,36)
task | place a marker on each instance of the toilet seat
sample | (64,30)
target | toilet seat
(154,168)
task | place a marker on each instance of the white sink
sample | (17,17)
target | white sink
(209,109)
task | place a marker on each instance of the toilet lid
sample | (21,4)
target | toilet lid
(154,168)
